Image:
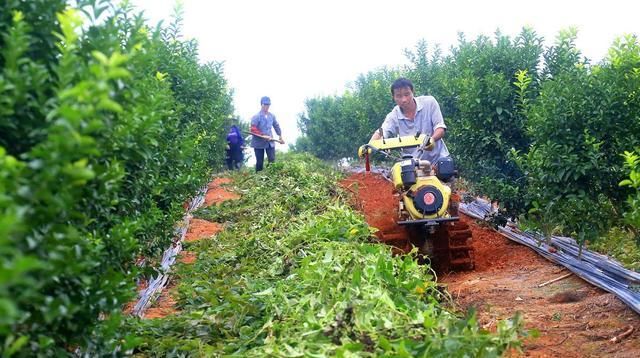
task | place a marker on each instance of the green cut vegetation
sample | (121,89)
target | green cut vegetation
(295,274)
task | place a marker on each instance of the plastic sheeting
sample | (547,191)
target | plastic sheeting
(385,172)
(157,284)
(597,269)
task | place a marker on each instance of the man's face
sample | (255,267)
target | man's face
(265,107)
(403,97)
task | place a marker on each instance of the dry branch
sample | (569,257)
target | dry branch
(622,335)
(555,279)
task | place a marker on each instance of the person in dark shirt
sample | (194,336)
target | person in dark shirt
(235,145)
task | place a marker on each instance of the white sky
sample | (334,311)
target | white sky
(293,50)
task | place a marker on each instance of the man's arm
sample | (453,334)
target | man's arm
(276,126)
(437,121)
(438,133)
(254,126)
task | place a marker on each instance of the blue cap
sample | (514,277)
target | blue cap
(265,100)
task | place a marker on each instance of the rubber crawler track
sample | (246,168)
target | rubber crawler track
(453,248)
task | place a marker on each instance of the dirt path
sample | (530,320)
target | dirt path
(374,196)
(198,230)
(574,319)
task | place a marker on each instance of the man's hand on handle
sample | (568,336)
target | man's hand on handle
(269,138)
(430,145)
(363,150)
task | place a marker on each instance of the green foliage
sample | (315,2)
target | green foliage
(106,128)
(426,71)
(583,117)
(16,265)
(522,83)
(632,164)
(27,55)
(563,56)
(332,125)
(486,125)
(293,273)
(621,245)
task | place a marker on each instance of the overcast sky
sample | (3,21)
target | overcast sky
(293,50)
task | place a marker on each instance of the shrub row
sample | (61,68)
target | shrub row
(106,127)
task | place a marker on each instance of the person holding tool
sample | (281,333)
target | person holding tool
(413,116)
(262,140)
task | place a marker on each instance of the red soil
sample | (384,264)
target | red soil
(494,252)
(574,319)
(128,308)
(187,257)
(201,229)
(374,196)
(165,304)
(219,181)
(216,193)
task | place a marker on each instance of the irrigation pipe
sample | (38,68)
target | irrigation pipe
(597,269)
(157,284)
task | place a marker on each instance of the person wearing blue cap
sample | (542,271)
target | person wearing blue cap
(262,140)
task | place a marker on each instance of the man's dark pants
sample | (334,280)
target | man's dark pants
(271,156)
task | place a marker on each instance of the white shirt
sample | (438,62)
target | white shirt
(428,118)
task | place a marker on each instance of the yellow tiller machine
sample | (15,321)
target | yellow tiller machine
(425,206)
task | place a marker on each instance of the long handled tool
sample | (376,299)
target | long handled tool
(271,139)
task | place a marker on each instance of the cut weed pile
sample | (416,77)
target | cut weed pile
(295,273)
